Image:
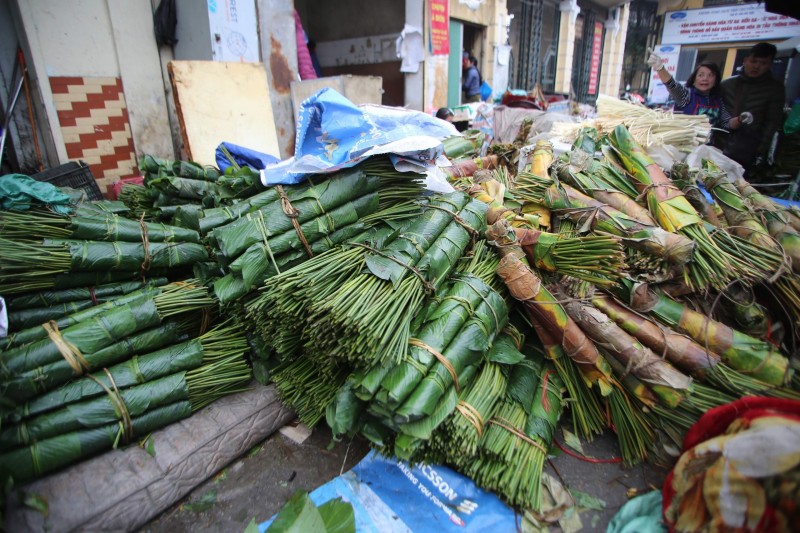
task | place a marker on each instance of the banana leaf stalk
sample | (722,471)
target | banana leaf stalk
(462,169)
(597,259)
(602,182)
(540,305)
(710,265)
(108,227)
(78,340)
(199,386)
(741,220)
(777,219)
(493,193)
(590,215)
(220,343)
(669,384)
(679,174)
(747,355)
(29,317)
(752,262)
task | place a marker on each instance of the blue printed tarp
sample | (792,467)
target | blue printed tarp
(334,133)
(390,496)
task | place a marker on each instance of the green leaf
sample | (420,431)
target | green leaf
(522,383)
(587,501)
(572,441)
(252,527)
(298,515)
(39,503)
(504,351)
(205,502)
(338,516)
(150,446)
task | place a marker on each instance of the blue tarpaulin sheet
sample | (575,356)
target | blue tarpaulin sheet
(389,495)
(243,157)
(334,133)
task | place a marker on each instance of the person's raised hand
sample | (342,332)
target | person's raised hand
(654,60)
(746,117)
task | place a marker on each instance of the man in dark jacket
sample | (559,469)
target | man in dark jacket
(754,91)
(471,84)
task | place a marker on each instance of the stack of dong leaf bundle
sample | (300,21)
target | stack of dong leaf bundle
(653,337)
(177,190)
(103,347)
(587,283)
(403,336)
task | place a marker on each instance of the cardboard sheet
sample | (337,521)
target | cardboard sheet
(218,101)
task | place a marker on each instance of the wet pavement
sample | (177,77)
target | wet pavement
(258,484)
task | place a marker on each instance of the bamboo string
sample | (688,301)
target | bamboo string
(472,415)
(119,406)
(68,351)
(292,214)
(442,359)
(146,244)
(505,424)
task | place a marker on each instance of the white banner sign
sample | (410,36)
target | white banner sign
(657,92)
(234,36)
(748,22)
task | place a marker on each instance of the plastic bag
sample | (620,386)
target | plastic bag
(792,123)
(486,91)
(333,133)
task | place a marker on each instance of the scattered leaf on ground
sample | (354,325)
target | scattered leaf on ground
(572,441)
(587,501)
(252,527)
(38,503)
(205,502)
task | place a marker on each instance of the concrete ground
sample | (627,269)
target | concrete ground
(257,485)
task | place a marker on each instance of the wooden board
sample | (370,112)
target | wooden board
(218,101)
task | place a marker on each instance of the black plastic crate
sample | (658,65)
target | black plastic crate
(75,174)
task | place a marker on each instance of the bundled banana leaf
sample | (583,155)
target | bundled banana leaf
(749,356)
(155,167)
(51,376)
(32,334)
(710,265)
(30,310)
(283,227)
(685,354)
(597,259)
(97,227)
(589,214)
(369,294)
(200,386)
(84,429)
(518,435)
(26,464)
(148,362)
(89,344)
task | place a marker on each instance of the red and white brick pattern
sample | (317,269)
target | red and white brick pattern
(94,123)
